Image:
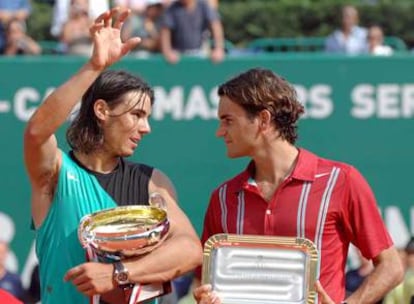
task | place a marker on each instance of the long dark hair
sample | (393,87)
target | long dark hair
(85,133)
(260,89)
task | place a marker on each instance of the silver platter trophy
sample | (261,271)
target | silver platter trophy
(114,234)
(248,269)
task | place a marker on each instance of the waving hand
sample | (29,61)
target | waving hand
(106,36)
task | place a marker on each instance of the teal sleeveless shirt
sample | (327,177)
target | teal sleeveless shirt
(58,249)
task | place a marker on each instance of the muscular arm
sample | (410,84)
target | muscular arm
(169,260)
(40,146)
(387,274)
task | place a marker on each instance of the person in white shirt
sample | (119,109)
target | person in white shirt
(350,38)
(376,44)
(61,13)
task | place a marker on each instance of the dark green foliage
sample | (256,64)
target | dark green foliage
(40,20)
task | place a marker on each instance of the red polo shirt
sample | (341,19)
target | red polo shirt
(325,201)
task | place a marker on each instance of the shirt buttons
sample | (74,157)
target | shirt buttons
(268,212)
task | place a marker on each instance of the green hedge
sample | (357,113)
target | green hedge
(250,19)
(245,20)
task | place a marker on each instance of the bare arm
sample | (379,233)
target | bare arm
(217,33)
(41,154)
(388,273)
(165,37)
(169,260)
(6,15)
(217,53)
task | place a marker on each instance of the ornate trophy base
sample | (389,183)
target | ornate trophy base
(139,293)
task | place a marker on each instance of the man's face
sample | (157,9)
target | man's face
(349,17)
(127,124)
(374,37)
(240,133)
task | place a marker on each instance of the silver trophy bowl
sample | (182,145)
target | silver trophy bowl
(125,231)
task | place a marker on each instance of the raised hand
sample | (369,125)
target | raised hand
(105,33)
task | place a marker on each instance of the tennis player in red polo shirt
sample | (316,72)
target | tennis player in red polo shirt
(289,191)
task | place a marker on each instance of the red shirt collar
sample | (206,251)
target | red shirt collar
(305,169)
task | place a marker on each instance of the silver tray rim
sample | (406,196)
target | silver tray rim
(277,242)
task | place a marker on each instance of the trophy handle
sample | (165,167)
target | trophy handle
(157,200)
(84,235)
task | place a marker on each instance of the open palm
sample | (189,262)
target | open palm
(106,36)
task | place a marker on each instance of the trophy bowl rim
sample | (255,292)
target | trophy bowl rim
(148,227)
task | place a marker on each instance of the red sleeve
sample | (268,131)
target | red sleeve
(362,219)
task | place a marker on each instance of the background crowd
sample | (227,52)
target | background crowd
(202,28)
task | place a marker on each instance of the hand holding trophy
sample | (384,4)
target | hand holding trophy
(114,234)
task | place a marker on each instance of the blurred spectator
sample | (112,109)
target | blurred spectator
(9,281)
(184,28)
(17,40)
(404,293)
(7,298)
(11,9)
(75,35)
(136,6)
(376,42)
(61,11)
(350,38)
(214,3)
(182,284)
(146,26)
(408,283)
(188,298)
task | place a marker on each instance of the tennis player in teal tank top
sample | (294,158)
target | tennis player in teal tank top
(112,120)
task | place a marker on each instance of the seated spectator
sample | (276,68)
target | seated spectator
(404,293)
(75,35)
(376,42)
(137,7)
(146,26)
(11,9)
(9,281)
(184,27)
(61,11)
(17,40)
(350,38)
